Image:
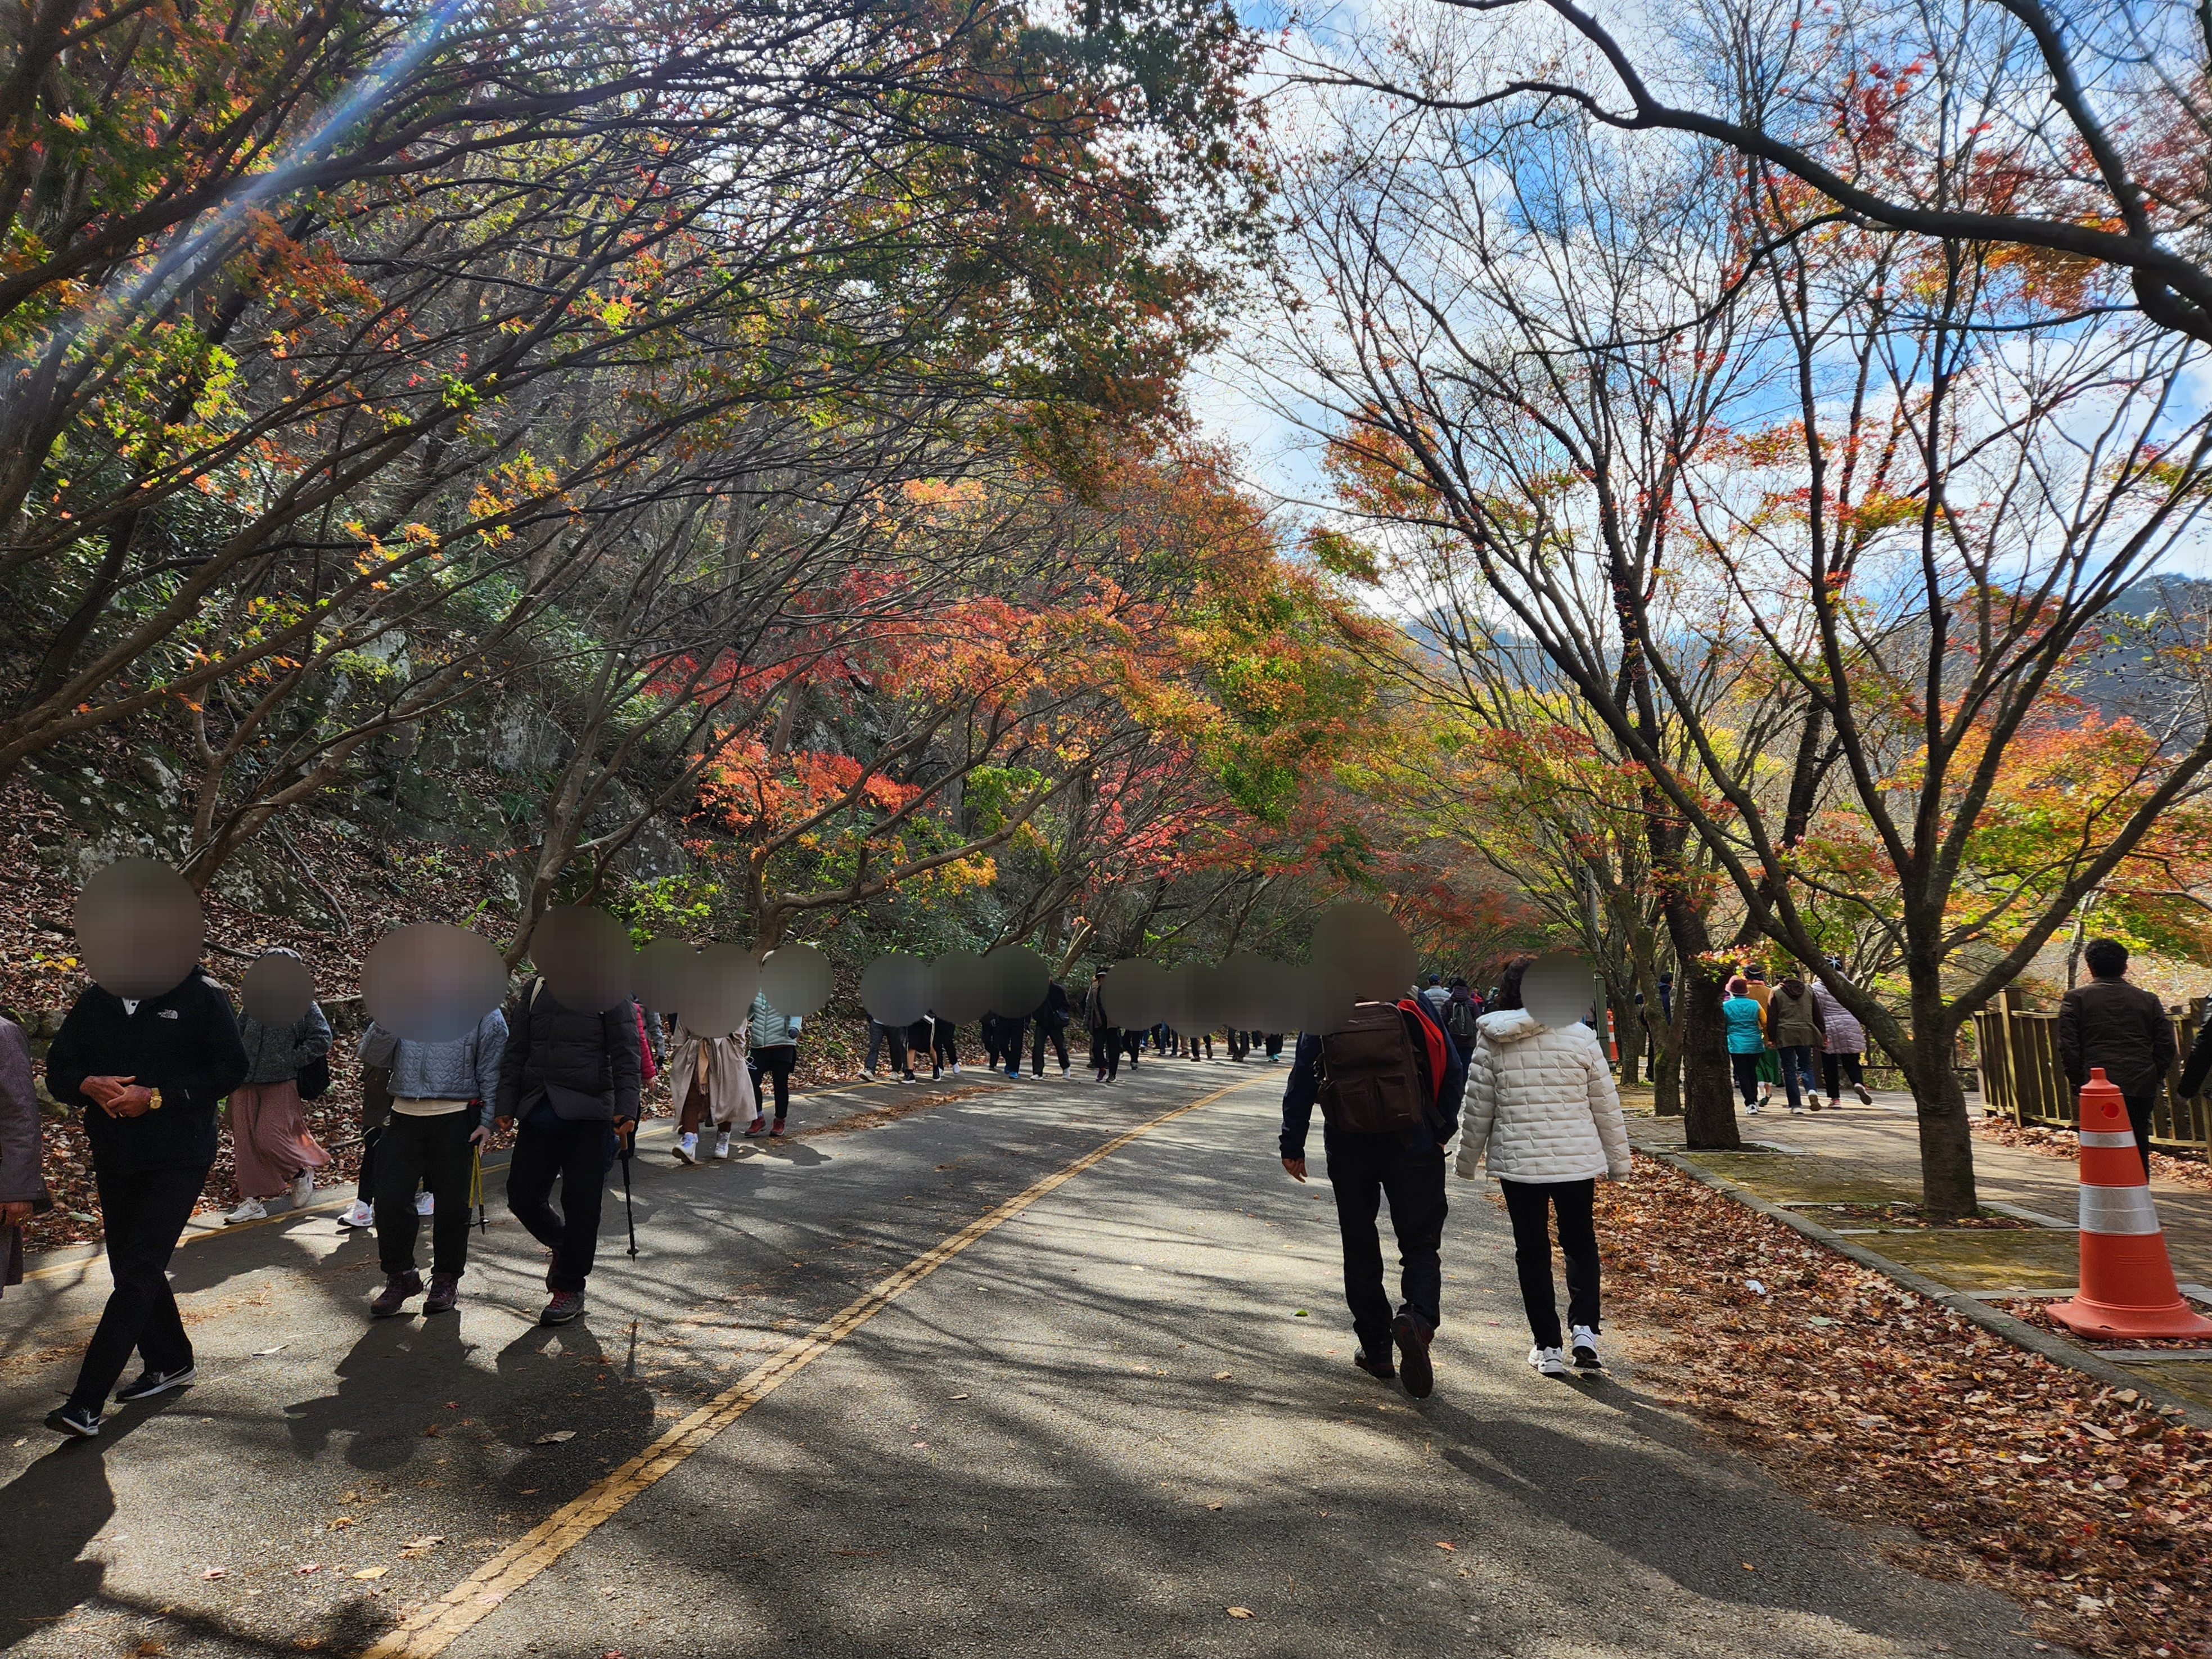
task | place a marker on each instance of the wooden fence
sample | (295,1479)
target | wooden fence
(2017,1053)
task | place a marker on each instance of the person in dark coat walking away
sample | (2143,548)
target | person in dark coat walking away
(2120,1028)
(571,1077)
(1459,1018)
(1346,1074)
(1050,1023)
(149,1063)
(1105,1036)
(1793,1019)
(22,1148)
(440,1096)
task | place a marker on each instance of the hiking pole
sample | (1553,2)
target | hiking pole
(476,1186)
(629,1140)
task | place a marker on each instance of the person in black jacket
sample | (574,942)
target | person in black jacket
(1410,1168)
(2198,1065)
(149,1072)
(572,1077)
(2120,1028)
(1051,1020)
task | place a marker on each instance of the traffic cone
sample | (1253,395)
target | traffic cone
(2127,1280)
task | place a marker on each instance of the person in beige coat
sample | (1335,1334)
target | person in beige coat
(708,1079)
(1541,1111)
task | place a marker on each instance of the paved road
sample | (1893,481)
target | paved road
(1090,1428)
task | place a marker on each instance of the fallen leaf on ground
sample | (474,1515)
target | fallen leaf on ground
(1213,1506)
(264,1353)
(959,1396)
(372,1572)
(1240,1612)
(556,1437)
(1443,1545)
(1221,1377)
(306,1567)
(216,1572)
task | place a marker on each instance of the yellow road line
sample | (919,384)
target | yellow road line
(436,1625)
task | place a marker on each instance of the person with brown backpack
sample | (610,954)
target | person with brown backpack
(1387,1082)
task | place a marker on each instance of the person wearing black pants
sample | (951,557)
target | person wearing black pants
(1408,1168)
(2121,1029)
(1541,1108)
(880,1036)
(944,1049)
(772,1054)
(575,1152)
(1050,1023)
(149,1071)
(439,1095)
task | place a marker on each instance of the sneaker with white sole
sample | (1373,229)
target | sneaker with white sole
(1582,1341)
(425,1205)
(1865,1094)
(359,1213)
(1550,1361)
(687,1149)
(722,1144)
(303,1189)
(151,1383)
(81,1421)
(249,1209)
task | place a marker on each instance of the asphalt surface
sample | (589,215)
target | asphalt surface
(1093,1431)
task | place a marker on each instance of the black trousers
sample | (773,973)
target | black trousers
(1009,1046)
(880,1035)
(773,1062)
(434,1152)
(1746,1067)
(1362,1171)
(1048,1028)
(1239,1045)
(1106,1052)
(1274,1040)
(366,1191)
(575,1153)
(2139,1120)
(942,1053)
(142,1214)
(1836,1068)
(1529,1203)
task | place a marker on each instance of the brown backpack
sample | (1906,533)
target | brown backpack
(1370,1074)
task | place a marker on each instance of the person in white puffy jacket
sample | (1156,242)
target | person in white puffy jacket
(1541,1110)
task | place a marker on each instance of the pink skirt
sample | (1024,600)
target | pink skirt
(270,1142)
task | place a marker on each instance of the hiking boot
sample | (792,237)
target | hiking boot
(393,1297)
(1583,1340)
(1377,1368)
(564,1306)
(1412,1335)
(757,1127)
(776,1128)
(1551,1361)
(445,1290)
(151,1383)
(687,1149)
(249,1209)
(722,1144)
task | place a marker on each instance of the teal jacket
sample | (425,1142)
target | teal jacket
(1745,1034)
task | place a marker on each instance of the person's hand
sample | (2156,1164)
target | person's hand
(624,1125)
(102,1090)
(1297,1168)
(15,1213)
(130,1100)
(480,1137)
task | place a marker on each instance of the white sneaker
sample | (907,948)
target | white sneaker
(249,1209)
(722,1144)
(956,1068)
(868,1075)
(1583,1341)
(1753,1109)
(687,1149)
(358,1214)
(303,1189)
(425,1205)
(1551,1361)
(1865,1094)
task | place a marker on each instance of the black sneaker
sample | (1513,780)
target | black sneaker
(80,1421)
(1382,1368)
(1413,1339)
(151,1383)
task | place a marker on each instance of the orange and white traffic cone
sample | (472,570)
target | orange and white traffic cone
(2127,1278)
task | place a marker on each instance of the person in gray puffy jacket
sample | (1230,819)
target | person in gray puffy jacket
(1541,1111)
(1843,1041)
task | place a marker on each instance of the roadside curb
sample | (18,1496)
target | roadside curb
(2015,1331)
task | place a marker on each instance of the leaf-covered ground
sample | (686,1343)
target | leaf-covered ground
(2063,1143)
(2090,1507)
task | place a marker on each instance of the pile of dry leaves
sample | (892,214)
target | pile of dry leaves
(2062,1143)
(2091,1507)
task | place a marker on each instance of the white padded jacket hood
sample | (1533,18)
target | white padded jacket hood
(1540,1104)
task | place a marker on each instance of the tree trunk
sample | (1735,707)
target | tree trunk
(1708,1094)
(1947,1143)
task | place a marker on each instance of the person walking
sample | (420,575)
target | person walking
(1435,994)
(773,1053)
(1745,1022)
(441,1096)
(271,1152)
(1843,1041)
(1542,1113)
(713,1084)
(2120,1028)
(570,1078)
(1770,1058)
(1794,1020)
(22,1150)
(1105,1036)
(881,1036)
(1049,1022)
(1385,1085)
(148,1073)
(1461,1019)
